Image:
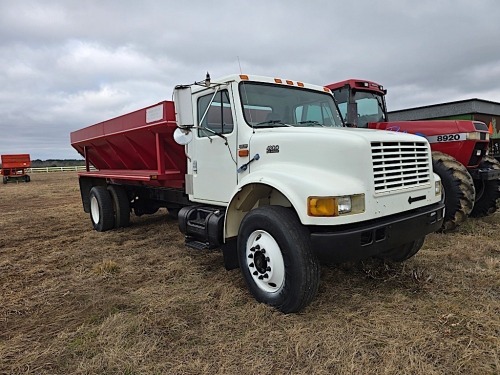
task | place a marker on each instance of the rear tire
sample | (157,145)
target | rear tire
(276,259)
(458,189)
(5,179)
(27,178)
(121,205)
(101,209)
(487,192)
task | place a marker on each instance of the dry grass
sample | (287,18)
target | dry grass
(136,301)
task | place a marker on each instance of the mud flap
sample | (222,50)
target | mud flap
(230,254)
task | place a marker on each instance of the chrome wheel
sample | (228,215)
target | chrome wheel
(265,261)
(94,209)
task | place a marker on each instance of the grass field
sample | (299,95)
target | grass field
(137,301)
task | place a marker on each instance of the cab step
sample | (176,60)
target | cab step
(194,244)
(202,226)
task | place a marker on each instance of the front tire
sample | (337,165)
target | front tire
(101,209)
(276,259)
(487,192)
(458,189)
(404,252)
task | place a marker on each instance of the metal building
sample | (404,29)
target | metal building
(470,109)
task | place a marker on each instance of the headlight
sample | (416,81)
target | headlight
(437,188)
(335,206)
(477,136)
(344,205)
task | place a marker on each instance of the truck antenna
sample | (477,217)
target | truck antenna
(239,64)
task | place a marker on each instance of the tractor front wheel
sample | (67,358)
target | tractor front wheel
(458,189)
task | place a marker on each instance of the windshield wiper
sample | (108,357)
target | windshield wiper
(271,122)
(311,122)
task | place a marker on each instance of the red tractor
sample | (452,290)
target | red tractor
(470,178)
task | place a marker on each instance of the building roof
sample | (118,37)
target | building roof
(460,107)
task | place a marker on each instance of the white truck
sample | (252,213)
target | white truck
(264,169)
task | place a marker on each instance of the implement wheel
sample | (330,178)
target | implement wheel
(487,191)
(121,205)
(101,209)
(276,259)
(458,189)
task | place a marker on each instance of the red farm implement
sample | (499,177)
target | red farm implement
(14,167)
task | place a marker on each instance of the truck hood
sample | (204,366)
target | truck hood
(338,133)
(341,149)
(341,161)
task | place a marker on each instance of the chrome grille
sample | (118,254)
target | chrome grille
(400,165)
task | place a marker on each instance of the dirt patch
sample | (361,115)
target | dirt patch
(137,301)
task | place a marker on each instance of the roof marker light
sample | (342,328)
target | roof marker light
(277,80)
(244,77)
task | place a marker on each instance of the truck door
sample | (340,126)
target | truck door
(214,157)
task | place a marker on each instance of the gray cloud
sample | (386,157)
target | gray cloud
(66,64)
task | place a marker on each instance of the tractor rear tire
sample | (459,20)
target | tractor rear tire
(458,189)
(101,209)
(121,205)
(5,179)
(487,192)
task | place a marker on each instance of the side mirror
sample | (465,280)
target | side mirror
(183,136)
(352,115)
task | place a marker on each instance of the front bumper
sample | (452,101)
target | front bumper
(360,241)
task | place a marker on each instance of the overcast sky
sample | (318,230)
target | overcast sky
(67,64)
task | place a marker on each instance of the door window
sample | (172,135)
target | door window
(218,117)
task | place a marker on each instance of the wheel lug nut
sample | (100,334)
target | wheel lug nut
(263,251)
(267,259)
(257,247)
(266,276)
(268,269)
(261,277)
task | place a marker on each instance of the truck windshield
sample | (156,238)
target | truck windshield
(269,105)
(370,107)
